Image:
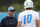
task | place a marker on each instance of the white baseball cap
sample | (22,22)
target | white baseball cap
(28,4)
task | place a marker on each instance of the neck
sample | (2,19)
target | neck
(10,15)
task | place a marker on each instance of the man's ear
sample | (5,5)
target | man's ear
(8,11)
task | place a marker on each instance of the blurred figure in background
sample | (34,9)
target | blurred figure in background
(9,21)
(29,17)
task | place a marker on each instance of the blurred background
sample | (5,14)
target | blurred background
(18,5)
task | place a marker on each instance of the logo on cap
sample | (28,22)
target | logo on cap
(12,7)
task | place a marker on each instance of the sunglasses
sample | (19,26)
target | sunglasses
(12,11)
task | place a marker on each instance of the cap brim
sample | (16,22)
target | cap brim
(12,10)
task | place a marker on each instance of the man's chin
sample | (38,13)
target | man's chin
(11,15)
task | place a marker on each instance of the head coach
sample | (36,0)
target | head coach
(9,21)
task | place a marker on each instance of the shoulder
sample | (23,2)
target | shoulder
(36,13)
(4,18)
(22,13)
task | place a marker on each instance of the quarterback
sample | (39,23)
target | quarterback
(29,17)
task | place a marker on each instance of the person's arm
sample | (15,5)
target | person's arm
(19,24)
(16,22)
(2,23)
(37,23)
(19,20)
(37,20)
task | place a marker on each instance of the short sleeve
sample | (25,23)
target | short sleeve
(37,16)
(20,17)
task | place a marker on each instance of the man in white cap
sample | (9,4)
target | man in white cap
(29,17)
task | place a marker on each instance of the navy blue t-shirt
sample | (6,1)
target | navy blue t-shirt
(9,22)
